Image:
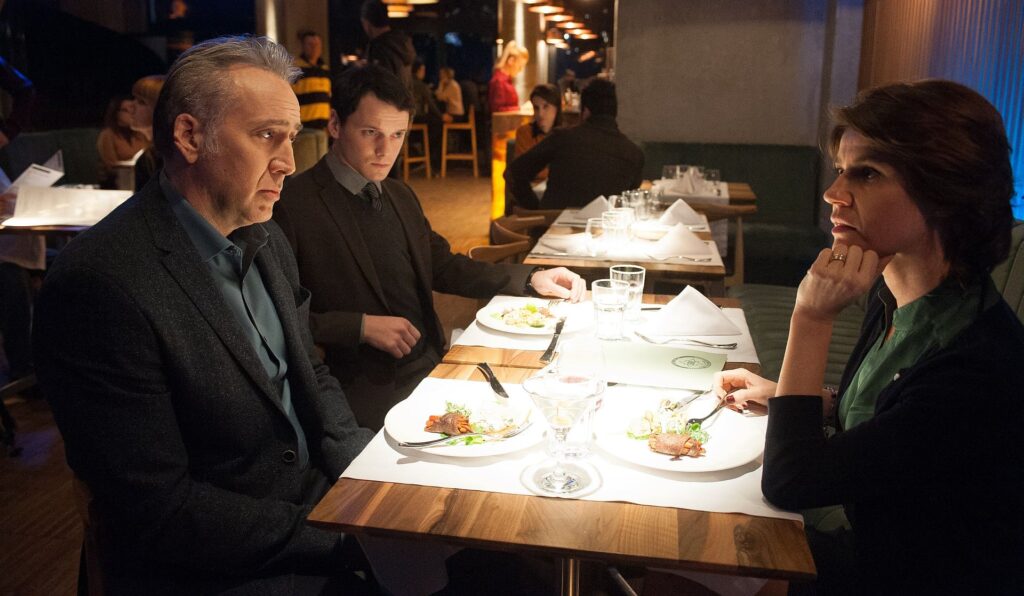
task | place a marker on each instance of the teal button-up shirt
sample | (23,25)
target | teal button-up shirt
(230,264)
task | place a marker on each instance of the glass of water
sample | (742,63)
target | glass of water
(610,297)
(634,276)
(594,237)
(615,223)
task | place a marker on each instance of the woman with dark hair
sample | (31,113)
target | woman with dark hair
(925,461)
(118,142)
(145,92)
(547,114)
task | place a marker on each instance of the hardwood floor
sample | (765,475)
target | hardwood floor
(40,531)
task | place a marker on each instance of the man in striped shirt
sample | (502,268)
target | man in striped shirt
(314,86)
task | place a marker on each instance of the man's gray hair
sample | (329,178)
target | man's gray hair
(197,84)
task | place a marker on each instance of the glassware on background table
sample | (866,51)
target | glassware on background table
(609,297)
(671,172)
(615,223)
(562,399)
(615,201)
(634,276)
(711,179)
(594,236)
(582,360)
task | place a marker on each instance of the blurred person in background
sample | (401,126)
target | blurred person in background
(314,85)
(547,114)
(145,92)
(118,141)
(501,92)
(583,161)
(449,93)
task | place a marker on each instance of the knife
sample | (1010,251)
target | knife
(493,380)
(550,352)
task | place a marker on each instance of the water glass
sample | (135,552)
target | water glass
(615,224)
(610,297)
(671,172)
(593,236)
(634,276)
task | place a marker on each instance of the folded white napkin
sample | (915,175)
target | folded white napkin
(682,213)
(570,243)
(594,208)
(677,242)
(681,186)
(689,313)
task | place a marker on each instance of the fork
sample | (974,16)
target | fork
(686,340)
(442,440)
(721,404)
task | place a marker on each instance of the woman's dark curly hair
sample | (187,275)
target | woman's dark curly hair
(949,147)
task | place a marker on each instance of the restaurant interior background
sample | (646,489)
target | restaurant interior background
(743,87)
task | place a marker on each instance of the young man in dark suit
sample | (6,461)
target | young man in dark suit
(172,342)
(367,252)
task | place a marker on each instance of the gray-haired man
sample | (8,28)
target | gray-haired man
(172,343)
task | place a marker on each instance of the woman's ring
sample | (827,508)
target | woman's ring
(838,257)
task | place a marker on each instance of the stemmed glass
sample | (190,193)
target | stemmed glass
(563,394)
(581,360)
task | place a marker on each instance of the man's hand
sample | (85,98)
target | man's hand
(559,283)
(394,335)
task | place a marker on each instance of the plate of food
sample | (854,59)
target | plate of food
(650,430)
(461,410)
(532,316)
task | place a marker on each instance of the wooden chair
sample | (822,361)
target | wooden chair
(470,126)
(407,160)
(512,252)
(510,228)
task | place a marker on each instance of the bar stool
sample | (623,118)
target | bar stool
(468,125)
(424,159)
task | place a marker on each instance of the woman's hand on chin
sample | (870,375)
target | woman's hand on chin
(837,277)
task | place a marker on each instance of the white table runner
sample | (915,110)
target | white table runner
(478,335)
(729,491)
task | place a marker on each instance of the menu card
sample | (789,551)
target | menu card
(660,366)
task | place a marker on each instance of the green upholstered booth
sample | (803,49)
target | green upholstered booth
(81,159)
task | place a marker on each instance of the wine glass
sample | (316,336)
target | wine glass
(562,398)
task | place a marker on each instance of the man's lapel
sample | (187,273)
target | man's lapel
(336,201)
(183,263)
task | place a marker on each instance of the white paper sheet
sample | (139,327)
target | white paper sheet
(730,491)
(40,206)
(477,335)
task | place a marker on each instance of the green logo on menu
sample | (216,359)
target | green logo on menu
(691,362)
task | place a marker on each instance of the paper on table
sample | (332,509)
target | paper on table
(36,176)
(40,206)
(660,366)
(689,313)
(679,241)
(682,213)
(728,491)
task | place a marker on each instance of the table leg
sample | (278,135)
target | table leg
(570,576)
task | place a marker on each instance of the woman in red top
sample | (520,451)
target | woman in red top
(501,93)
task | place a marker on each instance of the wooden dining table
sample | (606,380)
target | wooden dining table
(570,529)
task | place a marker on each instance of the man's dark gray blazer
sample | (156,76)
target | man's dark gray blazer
(336,265)
(169,418)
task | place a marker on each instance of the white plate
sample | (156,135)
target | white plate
(407,419)
(578,316)
(734,438)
